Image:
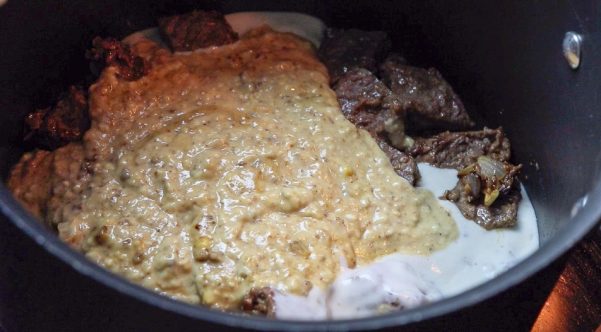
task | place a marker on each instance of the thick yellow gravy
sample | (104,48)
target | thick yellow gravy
(226,169)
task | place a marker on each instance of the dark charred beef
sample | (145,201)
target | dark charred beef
(461,149)
(370,105)
(343,50)
(56,126)
(259,301)
(197,29)
(107,52)
(430,102)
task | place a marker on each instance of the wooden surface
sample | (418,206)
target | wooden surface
(575,300)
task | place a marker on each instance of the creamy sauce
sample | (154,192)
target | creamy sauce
(305,26)
(232,168)
(400,281)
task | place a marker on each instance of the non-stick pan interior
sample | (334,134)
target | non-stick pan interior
(504,60)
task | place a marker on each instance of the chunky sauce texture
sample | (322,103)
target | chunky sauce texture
(225,169)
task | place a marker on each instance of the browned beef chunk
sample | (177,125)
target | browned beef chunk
(369,104)
(259,301)
(197,29)
(501,214)
(343,50)
(403,164)
(488,192)
(461,149)
(429,100)
(56,126)
(111,52)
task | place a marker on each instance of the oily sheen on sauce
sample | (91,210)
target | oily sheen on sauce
(230,168)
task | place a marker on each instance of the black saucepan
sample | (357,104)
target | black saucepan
(504,58)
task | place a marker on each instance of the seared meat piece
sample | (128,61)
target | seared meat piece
(56,126)
(429,100)
(111,52)
(343,50)
(461,149)
(197,29)
(259,301)
(369,104)
(403,164)
(359,90)
(42,179)
(494,178)
(488,193)
(502,213)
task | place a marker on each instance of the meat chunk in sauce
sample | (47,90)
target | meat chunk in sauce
(43,178)
(403,164)
(343,50)
(107,52)
(461,149)
(197,29)
(259,301)
(429,100)
(488,190)
(68,120)
(502,213)
(65,122)
(369,104)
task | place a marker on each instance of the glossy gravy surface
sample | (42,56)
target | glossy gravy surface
(226,169)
